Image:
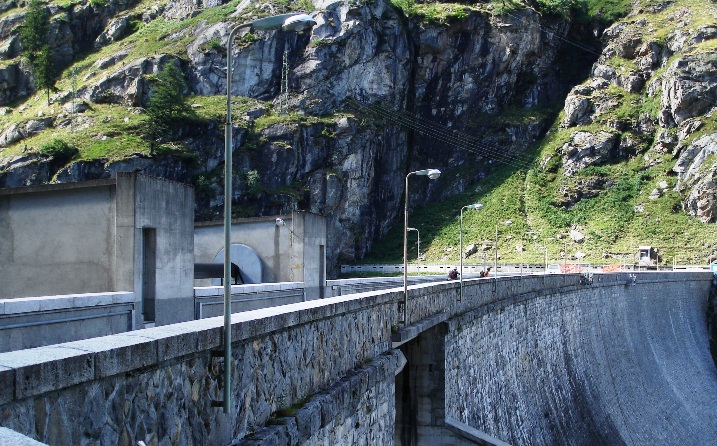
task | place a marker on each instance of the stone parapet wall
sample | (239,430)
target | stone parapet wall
(359,409)
(156,385)
(28,322)
(625,359)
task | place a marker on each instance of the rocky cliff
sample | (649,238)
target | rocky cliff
(496,75)
(653,93)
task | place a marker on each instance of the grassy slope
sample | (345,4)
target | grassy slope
(112,131)
(608,221)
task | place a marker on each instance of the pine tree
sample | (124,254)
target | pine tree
(167,105)
(33,30)
(35,50)
(45,72)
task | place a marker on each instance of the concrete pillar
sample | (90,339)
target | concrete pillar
(420,393)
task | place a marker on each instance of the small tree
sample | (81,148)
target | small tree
(167,104)
(35,50)
(46,73)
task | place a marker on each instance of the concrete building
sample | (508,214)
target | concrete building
(131,233)
(288,248)
(108,256)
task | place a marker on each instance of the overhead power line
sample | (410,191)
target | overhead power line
(440,133)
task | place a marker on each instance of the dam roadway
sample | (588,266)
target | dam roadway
(602,359)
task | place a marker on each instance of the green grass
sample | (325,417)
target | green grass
(608,221)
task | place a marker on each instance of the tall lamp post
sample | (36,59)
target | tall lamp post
(477,207)
(432,174)
(286,22)
(418,243)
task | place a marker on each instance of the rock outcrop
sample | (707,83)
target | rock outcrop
(653,96)
(347,167)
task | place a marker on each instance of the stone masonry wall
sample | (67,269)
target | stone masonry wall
(604,365)
(156,385)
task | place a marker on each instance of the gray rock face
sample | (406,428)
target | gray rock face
(14,82)
(697,169)
(126,85)
(181,9)
(586,149)
(26,170)
(685,90)
(689,89)
(115,30)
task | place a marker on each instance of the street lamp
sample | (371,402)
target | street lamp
(418,243)
(287,22)
(477,207)
(432,174)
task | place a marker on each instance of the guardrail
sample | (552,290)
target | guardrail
(209,301)
(63,318)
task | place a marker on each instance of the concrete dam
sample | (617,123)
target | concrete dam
(608,367)
(603,359)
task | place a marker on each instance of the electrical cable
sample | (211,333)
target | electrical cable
(453,138)
(440,133)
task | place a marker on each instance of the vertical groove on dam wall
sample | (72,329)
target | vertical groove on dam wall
(597,366)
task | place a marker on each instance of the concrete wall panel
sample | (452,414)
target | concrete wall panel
(168,207)
(272,243)
(57,242)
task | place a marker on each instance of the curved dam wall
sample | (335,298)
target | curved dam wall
(600,365)
(527,360)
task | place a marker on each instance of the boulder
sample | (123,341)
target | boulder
(18,132)
(470,250)
(576,236)
(76,107)
(578,111)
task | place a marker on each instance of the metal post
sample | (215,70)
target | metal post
(418,245)
(228,149)
(432,174)
(405,255)
(460,254)
(418,242)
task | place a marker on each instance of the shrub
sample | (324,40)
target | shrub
(58,149)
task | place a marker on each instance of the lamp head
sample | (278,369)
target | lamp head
(432,173)
(476,206)
(298,23)
(280,222)
(285,22)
